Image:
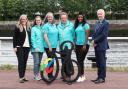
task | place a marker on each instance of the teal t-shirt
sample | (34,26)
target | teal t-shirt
(66,32)
(52,32)
(80,32)
(37,39)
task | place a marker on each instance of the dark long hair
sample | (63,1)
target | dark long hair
(77,21)
(34,23)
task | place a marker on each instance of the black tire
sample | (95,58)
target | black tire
(74,76)
(66,42)
(44,75)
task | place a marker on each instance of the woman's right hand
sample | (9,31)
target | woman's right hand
(15,50)
(36,50)
(50,49)
(84,47)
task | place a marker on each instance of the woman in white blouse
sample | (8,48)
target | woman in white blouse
(21,45)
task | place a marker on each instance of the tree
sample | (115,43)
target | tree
(12,9)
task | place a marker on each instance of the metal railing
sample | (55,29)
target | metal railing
(4,52)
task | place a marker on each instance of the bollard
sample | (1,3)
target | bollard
(93,59)
(0,47)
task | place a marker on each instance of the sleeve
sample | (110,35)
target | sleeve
(29,34)
(103,34)
(33,38)
(58,28)
(58,33)
(15,36)
(93,31)
(73,32)
(86,26)
(45,29)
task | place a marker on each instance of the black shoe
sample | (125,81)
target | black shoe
(99,81)
(69,83)
(66,79)
(25,80)
(61,78)
(50,76)
(21,81)
(94,80)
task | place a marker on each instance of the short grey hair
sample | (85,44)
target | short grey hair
(101,10)
(64,13)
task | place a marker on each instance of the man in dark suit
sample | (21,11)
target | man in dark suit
(100,44)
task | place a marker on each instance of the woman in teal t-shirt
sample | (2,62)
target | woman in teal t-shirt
(50,35)
(82,30)
(37,41)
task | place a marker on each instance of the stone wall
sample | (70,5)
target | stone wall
(114,24)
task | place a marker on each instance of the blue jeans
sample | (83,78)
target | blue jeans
(37,56)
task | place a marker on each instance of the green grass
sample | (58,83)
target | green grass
(110,69)
(9,67)
(13,67)
(118,69)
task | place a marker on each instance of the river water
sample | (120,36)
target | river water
(117,55)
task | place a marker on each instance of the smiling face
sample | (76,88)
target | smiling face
(80,18)
(101,14)
(38,21)
(50,18)
(64,18)
(23,20)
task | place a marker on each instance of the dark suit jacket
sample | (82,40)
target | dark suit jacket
(100,34)
(19,37)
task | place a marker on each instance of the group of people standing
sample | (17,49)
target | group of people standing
(44,36)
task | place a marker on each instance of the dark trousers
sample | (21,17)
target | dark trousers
(101,63)
(22,56)
(67,67)
(80,55)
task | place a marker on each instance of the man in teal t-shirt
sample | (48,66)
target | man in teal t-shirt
(66,33)
(66,30)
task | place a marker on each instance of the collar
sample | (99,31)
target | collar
(101,21)
(62,25)
(50,23)
(65,24)
(37,26)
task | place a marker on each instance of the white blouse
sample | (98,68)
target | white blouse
(26,42)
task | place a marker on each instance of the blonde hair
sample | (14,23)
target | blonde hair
(19,25)
(49,14)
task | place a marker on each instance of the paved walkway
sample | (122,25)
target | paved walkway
(115,80)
